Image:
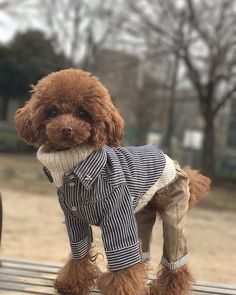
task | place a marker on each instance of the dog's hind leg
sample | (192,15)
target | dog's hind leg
(172,203)
(146,218)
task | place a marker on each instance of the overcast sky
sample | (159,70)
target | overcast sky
(7,28)
(9,25)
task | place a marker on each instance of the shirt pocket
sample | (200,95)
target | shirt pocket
(96,194)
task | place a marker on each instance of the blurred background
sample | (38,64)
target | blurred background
(170,67)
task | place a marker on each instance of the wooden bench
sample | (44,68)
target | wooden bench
(24,277)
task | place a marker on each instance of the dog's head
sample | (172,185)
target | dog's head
(69,108)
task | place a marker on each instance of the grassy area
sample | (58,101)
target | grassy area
(24,172)
(10,142)
(221,197)
(20,162)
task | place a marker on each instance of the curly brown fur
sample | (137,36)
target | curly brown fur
(130,281)
(24,124)
(77,277)
(199,185)
(67,93)
(172,282)
(158,201)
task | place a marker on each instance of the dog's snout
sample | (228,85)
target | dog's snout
(66,131)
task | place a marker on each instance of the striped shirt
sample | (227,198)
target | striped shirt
(104,190)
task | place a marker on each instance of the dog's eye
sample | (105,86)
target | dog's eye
(52,113)
(82,113)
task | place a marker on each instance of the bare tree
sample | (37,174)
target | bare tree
(7,5)
(202,35)
(151,92)
(13,8)
(78,27)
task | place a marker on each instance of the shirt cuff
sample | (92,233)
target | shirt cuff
(175,264)
(81,248)
(123,258)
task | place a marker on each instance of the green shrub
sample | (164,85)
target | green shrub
(11,143)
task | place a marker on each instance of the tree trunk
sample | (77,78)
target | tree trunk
(208,156)
(141,138)
(3,109)
(170,117)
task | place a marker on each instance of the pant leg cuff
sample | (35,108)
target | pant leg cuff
(175,264)
(145,256)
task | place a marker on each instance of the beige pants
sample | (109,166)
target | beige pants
(172,204)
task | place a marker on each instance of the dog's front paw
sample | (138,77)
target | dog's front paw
(77,277)
(130,281)
(67,289)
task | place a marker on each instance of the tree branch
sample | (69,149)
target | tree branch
(225,98)
(193,19)
(194,75)
(147,20)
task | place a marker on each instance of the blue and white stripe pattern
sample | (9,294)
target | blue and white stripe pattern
(104,190)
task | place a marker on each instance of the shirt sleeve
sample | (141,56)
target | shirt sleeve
(80,236)
(119,230)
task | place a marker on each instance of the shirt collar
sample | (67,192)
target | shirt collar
(89,169)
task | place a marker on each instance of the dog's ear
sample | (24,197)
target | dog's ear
(24,124)
(115,128)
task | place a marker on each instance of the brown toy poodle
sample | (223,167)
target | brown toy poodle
(71,119)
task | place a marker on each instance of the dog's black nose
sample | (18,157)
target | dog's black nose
(66,131)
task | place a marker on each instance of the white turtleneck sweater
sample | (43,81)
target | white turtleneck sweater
(58,163)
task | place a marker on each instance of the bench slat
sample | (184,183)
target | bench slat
(219,286)
(29,266)
(213,290)
(5,287)
(14,286)
(21,277)
(25,280)
(27,274)
(4,292)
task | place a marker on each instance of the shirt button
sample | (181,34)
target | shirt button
(73,208)
(71,184)
(88,178)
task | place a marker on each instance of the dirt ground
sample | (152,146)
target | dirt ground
(33,228)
